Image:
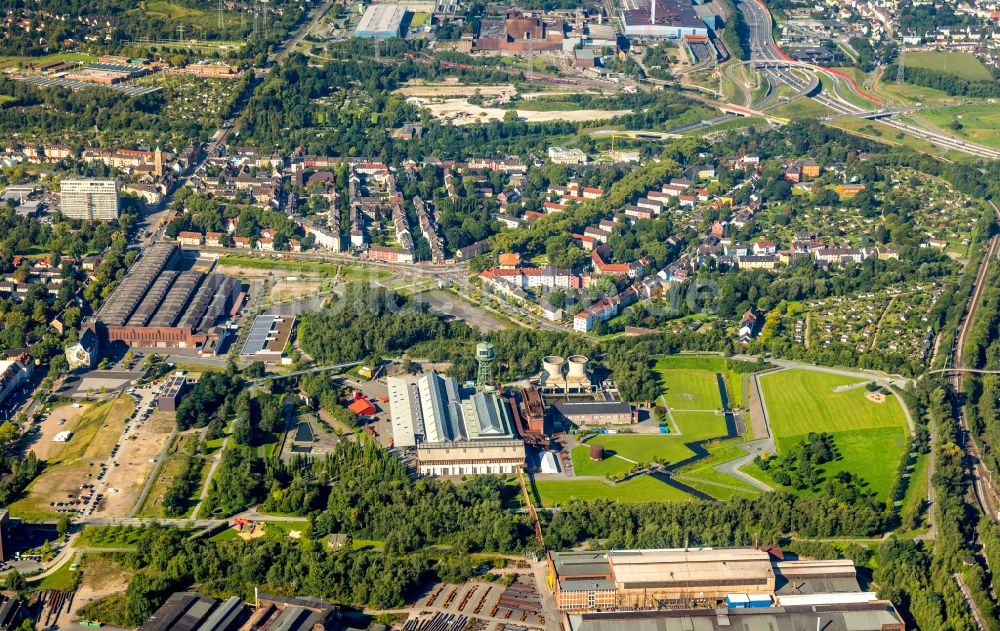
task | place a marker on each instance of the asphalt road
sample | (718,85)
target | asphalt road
(763,49)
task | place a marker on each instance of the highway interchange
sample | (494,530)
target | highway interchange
(799,76)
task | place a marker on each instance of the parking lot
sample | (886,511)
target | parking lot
(61,418)
(101,469)
(91,383)
(133,457)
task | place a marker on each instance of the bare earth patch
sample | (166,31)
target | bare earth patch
(291,290)
(134,465)
(101,577)
(461,112)
(42,443)
(452,88)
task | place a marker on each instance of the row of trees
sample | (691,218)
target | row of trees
(736,35)
(949,82)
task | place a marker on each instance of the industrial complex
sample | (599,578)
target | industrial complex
(482,428)
(158,306)
(701,588)
(455,431)
(190,610)
(877,615)
(661,19)
(382,21)
(269,335)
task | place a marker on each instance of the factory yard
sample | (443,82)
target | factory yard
(485,606)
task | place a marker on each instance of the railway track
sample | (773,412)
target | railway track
(984,492)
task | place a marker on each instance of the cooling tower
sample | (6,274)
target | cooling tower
(578,370)
(552,370)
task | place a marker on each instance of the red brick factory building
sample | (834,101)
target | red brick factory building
(157,305)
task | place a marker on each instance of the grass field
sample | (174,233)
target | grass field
(980,123)
(873,454)
(964,65)
(802,108)
(803,401)
(171,11)
(881,132)
(711,363)
(349,272)
(909,93)
(855,73)
(621,451)
(696,426)
(733,123)
(690,389)
(843,89)
(610,465)
(717,484)
(64,579)
(639,489)
(642,448)
(870,437)
(703,476)
(87,429)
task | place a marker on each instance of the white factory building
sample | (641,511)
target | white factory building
(454,431)
(661,19)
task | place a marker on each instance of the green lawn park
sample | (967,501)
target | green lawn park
(870,437)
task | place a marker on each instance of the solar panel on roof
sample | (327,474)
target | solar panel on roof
(259,332)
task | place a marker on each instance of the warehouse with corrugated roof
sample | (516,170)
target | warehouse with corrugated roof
(157,306)
(381,21)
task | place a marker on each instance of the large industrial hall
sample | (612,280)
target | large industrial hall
(455,430)
(713,589)
(159,306)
